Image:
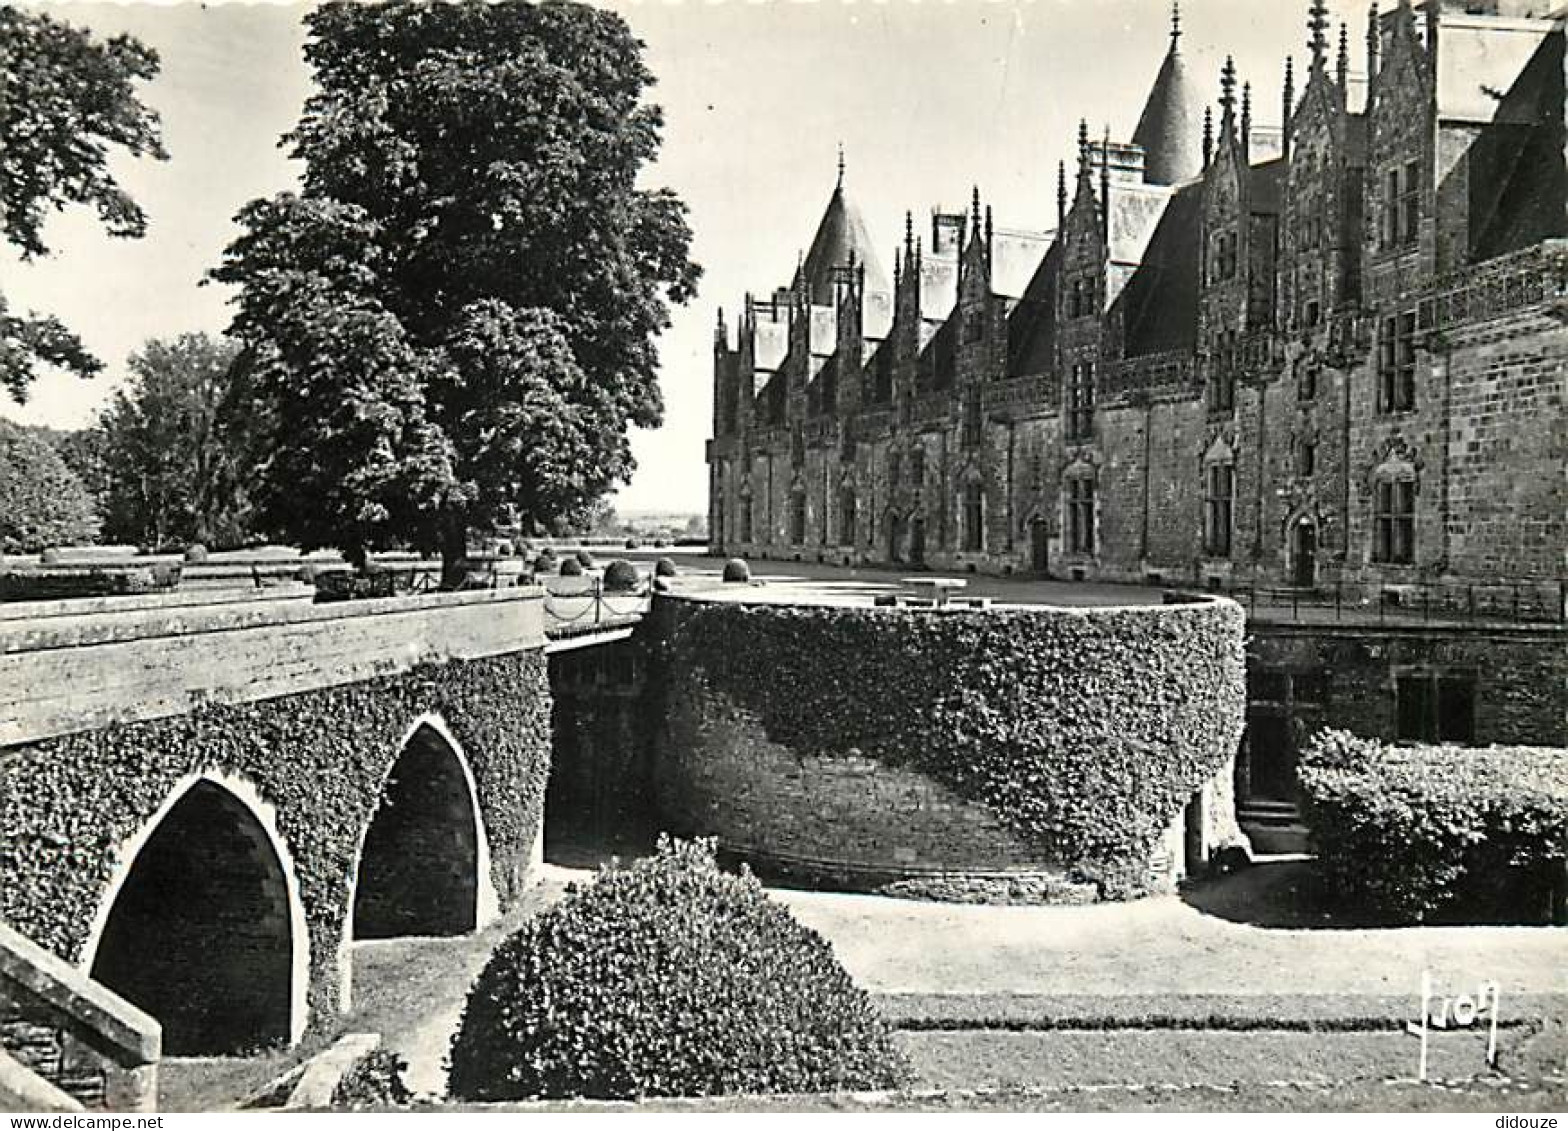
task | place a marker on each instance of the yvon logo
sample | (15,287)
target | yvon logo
(1456,1011)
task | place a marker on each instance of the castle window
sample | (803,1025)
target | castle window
(1224,258)
(1314,312)
(797,518)
(1080,401)
(846,517)
(1401,205)
(1396,363)
(745,518)
(1219,494)
(973,432)
(1222,378)
(894,467)
(1080,301)
(1435,708)
(917,468)
(974,518)
(1080,515)
(1394,521)
(1306,457)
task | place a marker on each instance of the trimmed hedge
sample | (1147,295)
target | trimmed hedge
(571,567)
(319,757)
(1418,833)
(620,576)
(668,978)
(1087,731)
(736,570)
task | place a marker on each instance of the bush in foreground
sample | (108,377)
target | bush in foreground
(571,567)
(664,567)
(667,978)
(737,571)
(1439,832)
(374,1080)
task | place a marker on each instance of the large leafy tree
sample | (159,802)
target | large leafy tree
(173,450)
(454,320)
(42,502)
(66,100)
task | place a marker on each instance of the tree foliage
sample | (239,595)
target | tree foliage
(42,502)
(65,101)
(173,451)
(456,315)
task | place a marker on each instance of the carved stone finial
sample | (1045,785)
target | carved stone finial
(1317,24)
(1175,24)
(840,165)
(1228,91)
(1208,135)
(1342,62)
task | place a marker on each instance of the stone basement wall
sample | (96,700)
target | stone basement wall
(66,1029)
(1051,750)
(1520,674)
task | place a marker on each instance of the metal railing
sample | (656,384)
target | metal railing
(1512,602)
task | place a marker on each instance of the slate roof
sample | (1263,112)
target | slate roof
(841,232)
(1170,129)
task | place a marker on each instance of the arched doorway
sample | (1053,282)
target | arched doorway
(1304,555)
(423,865)
(205,933)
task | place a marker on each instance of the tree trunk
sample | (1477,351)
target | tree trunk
(454,552)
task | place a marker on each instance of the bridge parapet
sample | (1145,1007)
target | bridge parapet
(75,673)
(67,1029)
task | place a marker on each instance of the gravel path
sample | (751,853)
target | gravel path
(1161,946)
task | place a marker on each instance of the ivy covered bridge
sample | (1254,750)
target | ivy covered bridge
(204,801)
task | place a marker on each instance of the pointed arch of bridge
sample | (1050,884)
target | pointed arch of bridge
(202,925)
(423,866)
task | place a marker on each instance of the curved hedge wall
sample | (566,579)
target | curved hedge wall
(1086,731)
(318,757)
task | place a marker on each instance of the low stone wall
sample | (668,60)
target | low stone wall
(71,1032)
(1037,752)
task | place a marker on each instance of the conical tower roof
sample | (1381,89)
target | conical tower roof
(1171,126)
(841,234)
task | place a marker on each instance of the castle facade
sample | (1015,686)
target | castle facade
(1325,358)
(1333,353)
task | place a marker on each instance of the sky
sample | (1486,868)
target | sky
(928,100)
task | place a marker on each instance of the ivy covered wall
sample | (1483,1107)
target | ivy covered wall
(1083,731)
(318,757)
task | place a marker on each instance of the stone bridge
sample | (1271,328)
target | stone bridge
(205,799)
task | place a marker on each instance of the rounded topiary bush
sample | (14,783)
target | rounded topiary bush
(585,559)
(632,543)
(736,570)
(668,978)
(664,568)
(571,567)
(620,577)
(195,553)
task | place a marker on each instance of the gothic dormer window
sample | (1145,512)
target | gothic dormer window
(1080,401)
(1401,219)
(973,430)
